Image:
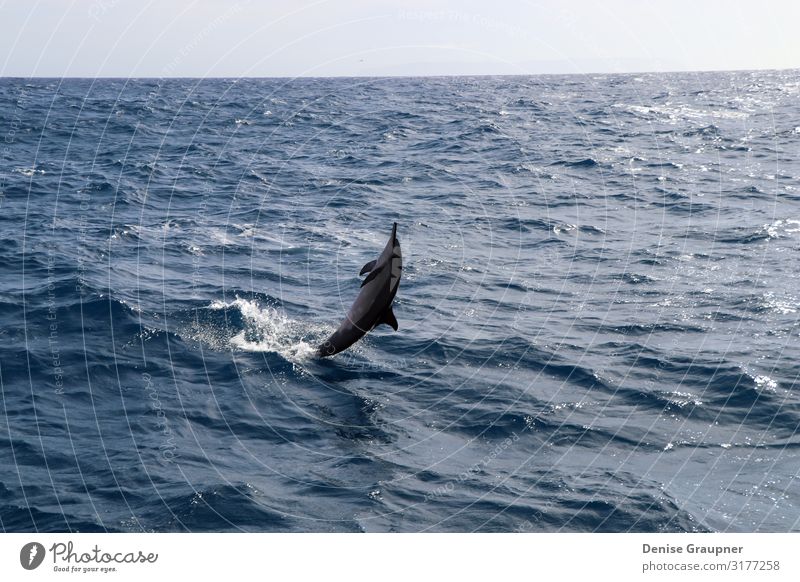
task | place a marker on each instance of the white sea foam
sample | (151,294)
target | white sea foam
(270,330)
(781,228)
(783,305)
(675,113)
(28,172)
(765,383)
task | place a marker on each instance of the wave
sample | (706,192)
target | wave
(239,507)
(583,163)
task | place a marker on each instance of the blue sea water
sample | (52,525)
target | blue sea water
(598,312)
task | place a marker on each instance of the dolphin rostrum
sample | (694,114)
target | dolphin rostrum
(373,306)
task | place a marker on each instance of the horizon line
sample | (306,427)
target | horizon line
(401,76)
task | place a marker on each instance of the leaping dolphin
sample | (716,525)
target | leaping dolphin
(373,306)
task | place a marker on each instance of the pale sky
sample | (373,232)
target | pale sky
(266,38)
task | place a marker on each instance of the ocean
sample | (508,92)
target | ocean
(598,313)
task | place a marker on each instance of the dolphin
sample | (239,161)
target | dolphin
(373,306)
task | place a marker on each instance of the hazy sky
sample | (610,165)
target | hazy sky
(386,37)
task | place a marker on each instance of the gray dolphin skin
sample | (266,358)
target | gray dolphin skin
(373,306)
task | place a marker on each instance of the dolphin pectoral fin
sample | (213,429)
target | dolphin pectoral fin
(389,319)
(368,267)
(370,277)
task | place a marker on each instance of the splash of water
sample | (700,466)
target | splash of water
(270,330)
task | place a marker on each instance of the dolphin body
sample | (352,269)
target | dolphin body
(373,306)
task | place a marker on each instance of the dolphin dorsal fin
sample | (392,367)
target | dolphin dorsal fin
(368,267)
(389,319)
